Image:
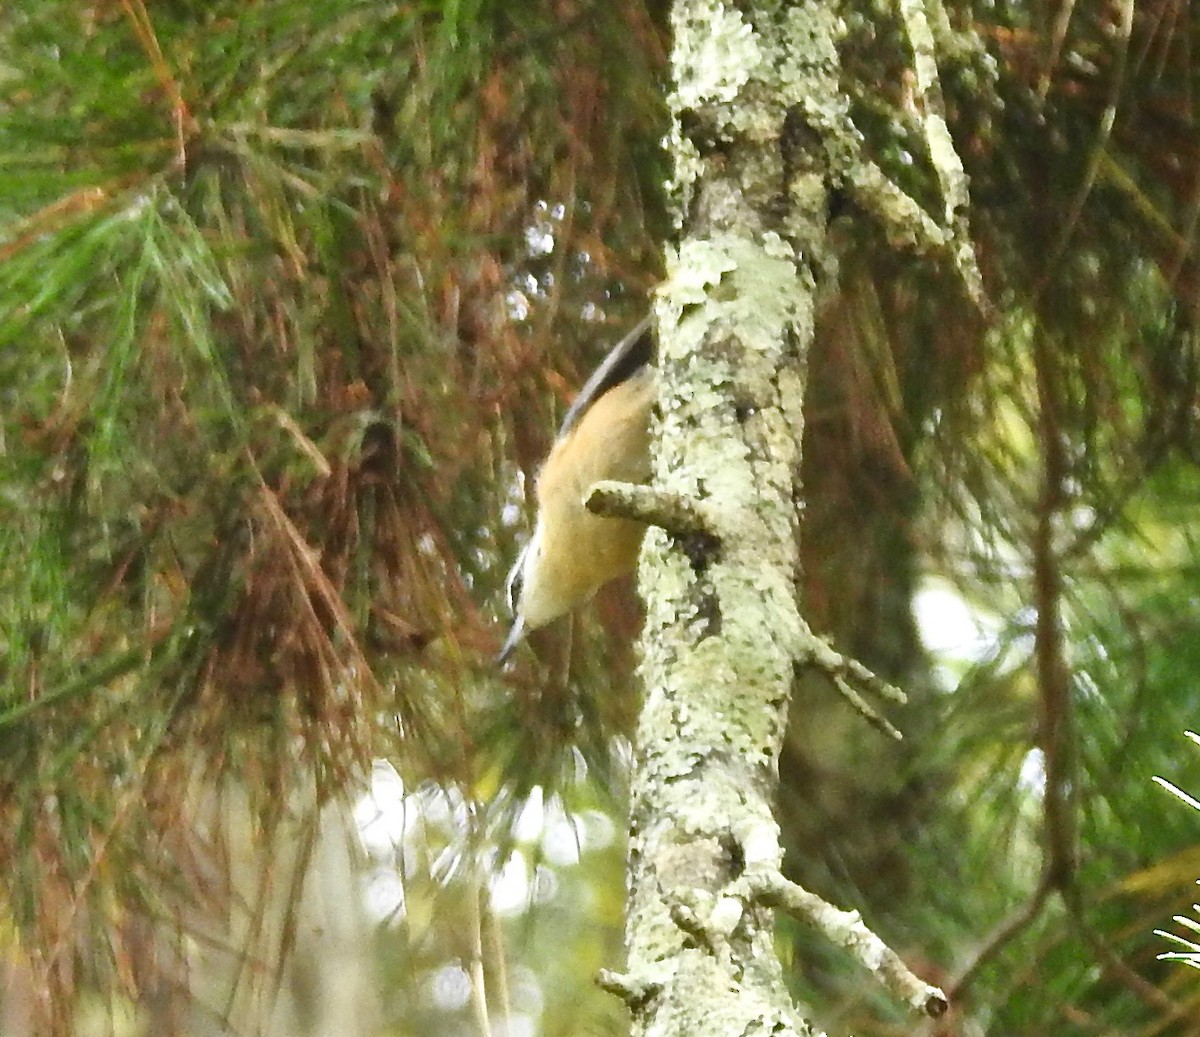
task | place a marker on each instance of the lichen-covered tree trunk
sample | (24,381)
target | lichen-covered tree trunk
(723,630)
(761,135)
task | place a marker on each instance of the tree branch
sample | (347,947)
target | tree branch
(847,930)
(852,679)
(634,991)
(1008,930)
(679,515)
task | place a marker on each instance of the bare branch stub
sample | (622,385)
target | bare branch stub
(632,990)
(679,515)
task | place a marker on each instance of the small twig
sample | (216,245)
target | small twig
(479,1005)
(690,922)
(847,930)
(679,515)
(866,710)
(947,165)
(825,657)
(1099,151)
(633,990)
(181,116)
(1009,929)
(852,679)
(901,215)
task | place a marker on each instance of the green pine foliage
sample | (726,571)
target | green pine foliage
(291,297)
(255,365)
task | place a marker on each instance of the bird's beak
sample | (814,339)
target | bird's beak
(514,638)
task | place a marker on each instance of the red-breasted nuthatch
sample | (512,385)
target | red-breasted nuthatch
(605,435)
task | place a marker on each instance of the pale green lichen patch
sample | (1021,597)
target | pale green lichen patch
(716,51)
(687,169)
(691,272)
(762,296)
(748,286)
(715,55)
(807,60)
(672,576)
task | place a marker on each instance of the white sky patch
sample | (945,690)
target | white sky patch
(560,842)
(950,627)
(1032,777)
(449,987)
(380,815)
(539,240)
(545,884)
(409,833)
(510,889)
(526,988)
(532,819)
(518,1024)
(547,824)
(384,895)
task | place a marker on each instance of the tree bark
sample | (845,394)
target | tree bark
(723,629)
(761,134)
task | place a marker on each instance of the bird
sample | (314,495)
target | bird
(604,435)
